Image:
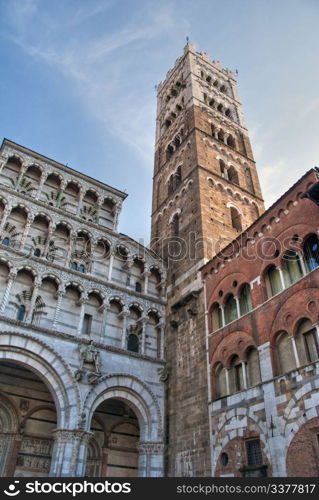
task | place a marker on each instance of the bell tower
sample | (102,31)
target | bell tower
(205,193)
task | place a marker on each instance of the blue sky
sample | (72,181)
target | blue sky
(78,83)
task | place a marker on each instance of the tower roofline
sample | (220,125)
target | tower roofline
(190,48)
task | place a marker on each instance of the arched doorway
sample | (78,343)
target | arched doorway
(303,451)
(112,451)
(27,419)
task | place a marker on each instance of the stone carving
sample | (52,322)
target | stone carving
(151,448)
(36,446)
(164,372)
(35,454)
(24,406)
(90,361)
(82,420)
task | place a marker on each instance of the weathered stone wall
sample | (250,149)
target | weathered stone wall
(189,185)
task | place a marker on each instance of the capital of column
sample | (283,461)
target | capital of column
(143,320)
(7,210)
(151,448)
(63,185)
(60,292)
(37,282)
(128,263)
(12,275)
(146,273)
(71,435)
(29,220)
(104,307)
(82,300)
(125,312)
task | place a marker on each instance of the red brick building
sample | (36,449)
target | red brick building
(262,302)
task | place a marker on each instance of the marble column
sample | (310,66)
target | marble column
(124,314)
(295,351)
(146,276)
(151,459)
(20,177)
(161,326)
(60,295)
(80,202)
(143,322)
(26,231)
(6,213)
(61,193)
(41,184)
(104,310)
(37,283)
(48,239)
(111,266)
(6,295)
(69,452)
(82,303)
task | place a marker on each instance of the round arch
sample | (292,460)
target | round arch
(40,358)
(135,394)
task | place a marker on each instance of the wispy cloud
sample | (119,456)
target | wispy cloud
(97,64)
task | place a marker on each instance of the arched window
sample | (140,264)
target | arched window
(285,356)
(273,281)
(37,252)
(175,225)
(311,252)
(245,304)
(138,287)
(177,178)
(253,368)
(21,313)
(235,219)
(292,269)
(230,309)
(169,151)
(230,141)
(216,317)
(233,175)
(220,381)
(82,268)
(307,342)
(6,242)
(74,266)
(237,375)
(132,343)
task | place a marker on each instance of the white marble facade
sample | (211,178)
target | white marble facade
(81,312)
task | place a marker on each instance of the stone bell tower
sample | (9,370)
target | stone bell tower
(205,193)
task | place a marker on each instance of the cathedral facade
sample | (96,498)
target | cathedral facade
(195,357)
(82,328)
